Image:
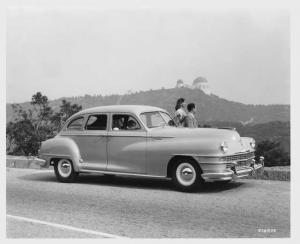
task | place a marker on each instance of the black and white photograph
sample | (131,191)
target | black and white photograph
(147,121)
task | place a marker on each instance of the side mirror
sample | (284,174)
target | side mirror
(116,129)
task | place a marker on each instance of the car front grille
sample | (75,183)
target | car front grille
(238,157)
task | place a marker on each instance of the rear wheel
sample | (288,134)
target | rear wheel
(64,170)
(186,175)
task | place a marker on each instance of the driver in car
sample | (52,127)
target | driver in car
(132,125)
(118,122)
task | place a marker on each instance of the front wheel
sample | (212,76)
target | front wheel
(64,171)
(186,175)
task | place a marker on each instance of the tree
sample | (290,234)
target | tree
(24,140)
(66,110)
(273,153)
(44,110)
(42,121)
(30,128)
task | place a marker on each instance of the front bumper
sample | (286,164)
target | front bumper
(232,174)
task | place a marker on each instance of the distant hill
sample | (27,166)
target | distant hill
(209,107)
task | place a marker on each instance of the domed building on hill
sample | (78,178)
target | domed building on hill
(199,83)
(180,84)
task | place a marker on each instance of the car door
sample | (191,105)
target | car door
(92,142)
(126,144)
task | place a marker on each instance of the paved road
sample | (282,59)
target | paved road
(142,208)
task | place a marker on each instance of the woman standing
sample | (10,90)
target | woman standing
(180,114)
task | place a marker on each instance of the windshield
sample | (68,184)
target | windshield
(156,119)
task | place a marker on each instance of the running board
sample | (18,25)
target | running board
(121,173)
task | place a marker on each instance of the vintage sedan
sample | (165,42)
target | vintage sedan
(144,141)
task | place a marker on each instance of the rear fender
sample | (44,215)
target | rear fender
(60,147)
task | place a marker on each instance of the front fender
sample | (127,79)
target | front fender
(161,150)
(60,147)
(204,150)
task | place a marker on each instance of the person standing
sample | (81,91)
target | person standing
(190,120)
(180,114)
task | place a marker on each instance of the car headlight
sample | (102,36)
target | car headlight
(252,144)
(224,147)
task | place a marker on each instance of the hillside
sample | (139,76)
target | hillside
(209,107)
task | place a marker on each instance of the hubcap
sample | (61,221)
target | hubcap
(64,167)
(186,174)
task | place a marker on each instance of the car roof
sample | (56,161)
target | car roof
(135,109)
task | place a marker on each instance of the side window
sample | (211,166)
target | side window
(124,122)
(96,122)
(75,124)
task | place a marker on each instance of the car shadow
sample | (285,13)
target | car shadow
(123,181)
(149,183)
(132,182)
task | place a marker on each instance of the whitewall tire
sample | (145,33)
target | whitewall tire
(186,175)
(64,170)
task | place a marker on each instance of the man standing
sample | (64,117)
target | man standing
(190,120)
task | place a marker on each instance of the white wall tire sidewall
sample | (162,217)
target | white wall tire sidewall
(180,179)
(60,165)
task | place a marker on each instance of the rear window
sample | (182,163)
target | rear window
(75,124)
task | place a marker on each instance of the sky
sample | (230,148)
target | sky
(63,52)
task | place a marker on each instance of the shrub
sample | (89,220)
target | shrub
(30,128)
(273,152)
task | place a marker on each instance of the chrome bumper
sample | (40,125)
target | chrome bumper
(42,161)
(234,174)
